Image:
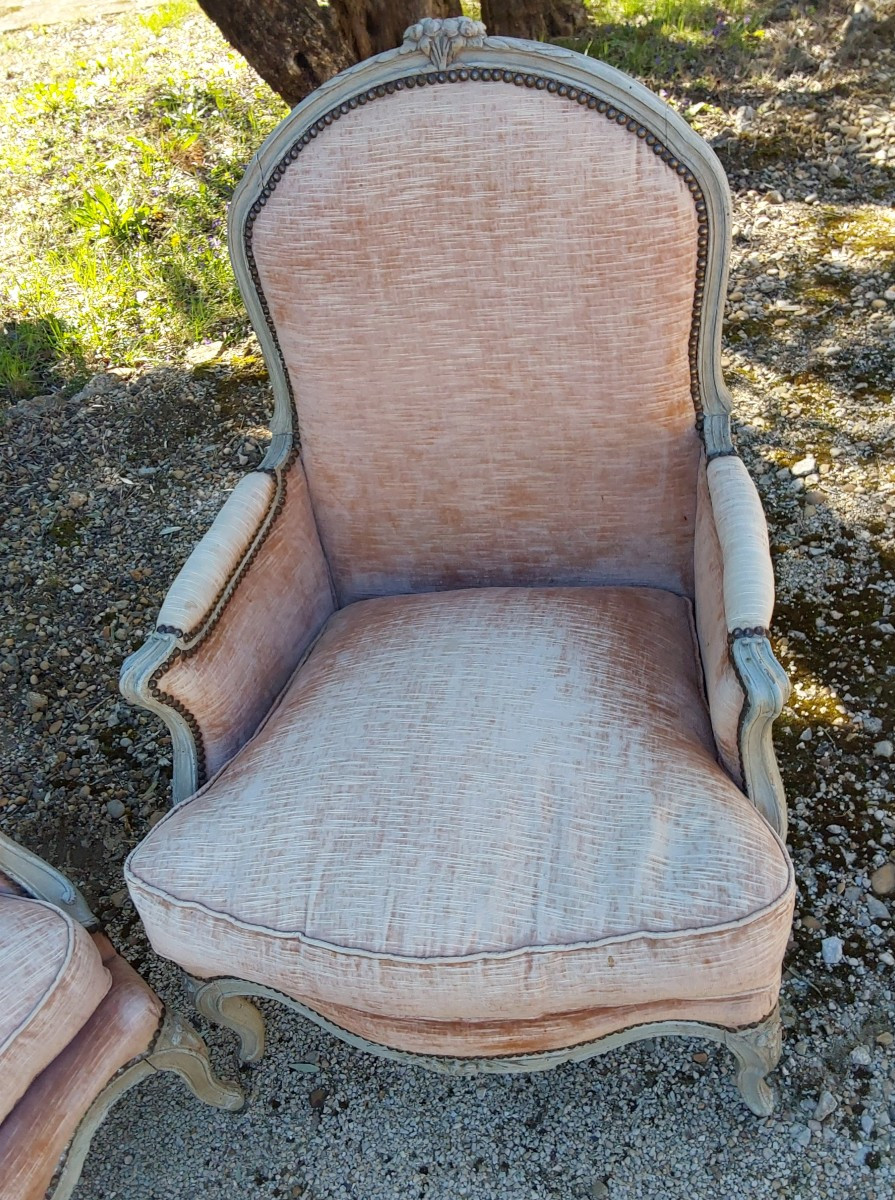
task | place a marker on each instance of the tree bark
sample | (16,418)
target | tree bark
(540,20)
(295,45)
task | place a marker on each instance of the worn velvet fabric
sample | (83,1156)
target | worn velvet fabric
(743,538)
(487,805)
(214,561)
(724,690)
(279,606)
(34,1136)
(51,981)
(484,298)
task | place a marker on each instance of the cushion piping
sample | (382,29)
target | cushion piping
(480,956)
(56,980)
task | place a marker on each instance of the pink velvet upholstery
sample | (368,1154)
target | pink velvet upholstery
(51,981)
(497,803)
(34,1135)
(483,295)
(725,694)
(278,608)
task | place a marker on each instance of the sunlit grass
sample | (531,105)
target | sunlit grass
(115,173)
(658,40)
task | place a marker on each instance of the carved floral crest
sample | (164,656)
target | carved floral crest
(442,40)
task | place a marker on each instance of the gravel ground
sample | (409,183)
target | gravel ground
(108,490)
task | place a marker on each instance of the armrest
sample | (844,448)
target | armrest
(204,577)
(745,685)
(745,552)
(236,623)
(37,878)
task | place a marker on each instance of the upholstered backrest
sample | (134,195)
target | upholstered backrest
(483,295)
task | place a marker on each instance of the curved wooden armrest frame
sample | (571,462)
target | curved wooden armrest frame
(141,669)
(44,882)
(766,687)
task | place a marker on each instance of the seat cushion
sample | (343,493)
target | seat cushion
(474,806)
(52,979)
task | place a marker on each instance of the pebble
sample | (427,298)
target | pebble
(883,879)
(826,1105)
(831,949)
(877,910)
(115,808)
(861,1056)
(805,466)
(884,749)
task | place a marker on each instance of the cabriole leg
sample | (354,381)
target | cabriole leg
(180,1049)
(177,1048)
(757,1052)
(234,1013)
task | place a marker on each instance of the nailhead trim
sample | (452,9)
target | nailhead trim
(757,631)
(519,79)
(271,516)
(231,582)
(170,701)
(178,633)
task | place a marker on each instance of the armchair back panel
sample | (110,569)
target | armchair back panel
(483,296)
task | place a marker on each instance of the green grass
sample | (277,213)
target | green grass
(662,40)
(115,173)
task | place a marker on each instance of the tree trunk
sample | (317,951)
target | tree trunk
(295,45)
(540,20)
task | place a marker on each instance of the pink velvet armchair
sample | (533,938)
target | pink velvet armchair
(470,689)
(78,1028)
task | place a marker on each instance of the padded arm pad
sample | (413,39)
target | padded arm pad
(214,561)
(745,551)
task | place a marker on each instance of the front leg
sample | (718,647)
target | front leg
(232,1012)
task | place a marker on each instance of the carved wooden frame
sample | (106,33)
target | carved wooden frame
(175,1046)
(756,1047)
(457,51)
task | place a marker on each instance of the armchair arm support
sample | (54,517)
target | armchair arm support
(44,882)
(240,615)
(767,687)
(746,686)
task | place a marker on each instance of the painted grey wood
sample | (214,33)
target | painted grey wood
(767,688)
(756,1047)
(137,673)
(44,882)
(177,1048)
